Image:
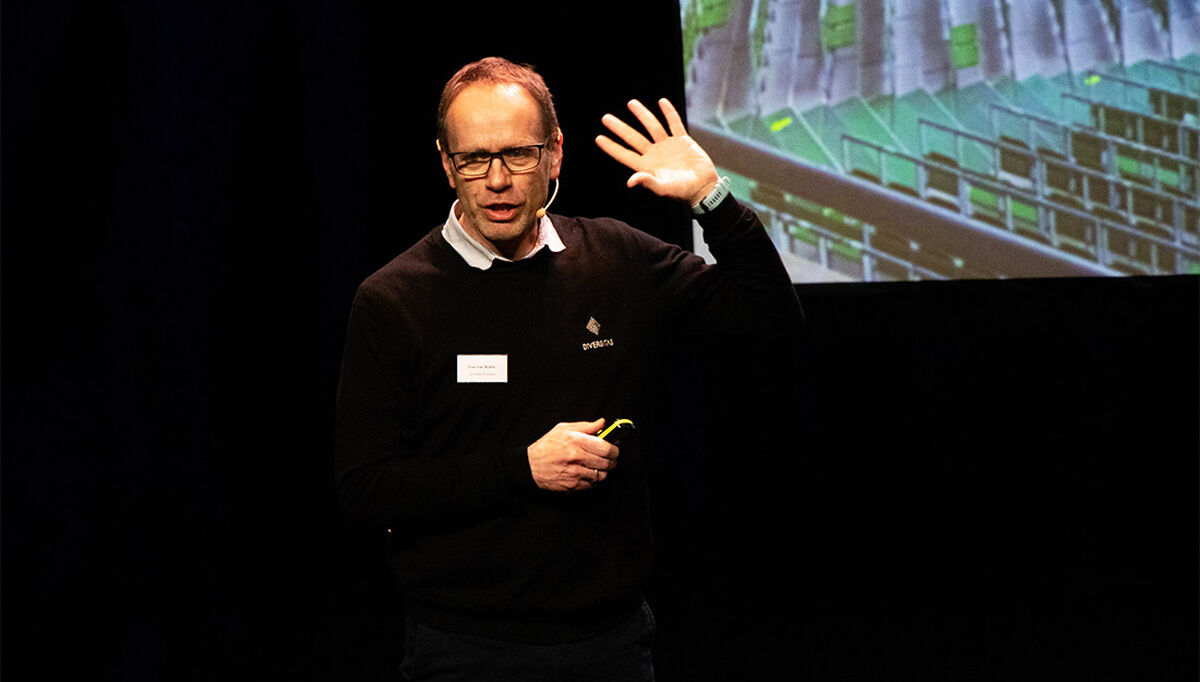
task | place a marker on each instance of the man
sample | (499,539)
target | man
(481,364)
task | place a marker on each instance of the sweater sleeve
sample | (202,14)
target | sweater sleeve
(382,475)
(747,291)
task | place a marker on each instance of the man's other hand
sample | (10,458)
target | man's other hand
(570,457)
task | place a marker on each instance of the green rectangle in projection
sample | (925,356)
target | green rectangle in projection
(713,13)
(839,26)
(964,46)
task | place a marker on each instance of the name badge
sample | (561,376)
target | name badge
(482,369)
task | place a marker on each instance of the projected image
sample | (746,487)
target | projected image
(885,140)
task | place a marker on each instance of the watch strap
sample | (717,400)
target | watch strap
(715,197)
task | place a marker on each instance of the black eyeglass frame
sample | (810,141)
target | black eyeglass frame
(492,156)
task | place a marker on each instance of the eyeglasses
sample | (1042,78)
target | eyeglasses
(515,159)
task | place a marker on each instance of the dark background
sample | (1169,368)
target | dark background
(954,480)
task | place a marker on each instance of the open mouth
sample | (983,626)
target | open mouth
(500,212)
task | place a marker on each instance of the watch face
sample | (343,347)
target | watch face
(714,197)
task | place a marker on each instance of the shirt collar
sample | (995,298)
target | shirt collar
(479,256)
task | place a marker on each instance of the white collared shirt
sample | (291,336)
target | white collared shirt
(481,257)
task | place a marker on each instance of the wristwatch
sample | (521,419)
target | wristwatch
(710,202)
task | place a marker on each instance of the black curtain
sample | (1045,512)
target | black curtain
(192,191)
(945,480)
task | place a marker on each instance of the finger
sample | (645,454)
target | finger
(583,478)
(648,120)
(592,475)
(593,447)
(622,155)
(605,462)
(674,120)
(628,134)
(644,179)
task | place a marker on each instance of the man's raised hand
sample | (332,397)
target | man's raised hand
(668,162)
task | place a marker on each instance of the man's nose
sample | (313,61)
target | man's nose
(498,175)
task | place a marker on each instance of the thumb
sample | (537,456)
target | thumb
(643,179)
(591,428)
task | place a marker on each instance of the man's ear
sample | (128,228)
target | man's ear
(446,168)
(556,154)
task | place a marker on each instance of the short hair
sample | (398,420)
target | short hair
(500,71)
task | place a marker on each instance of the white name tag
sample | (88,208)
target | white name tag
(482,369)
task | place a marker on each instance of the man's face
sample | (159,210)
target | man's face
(499,208)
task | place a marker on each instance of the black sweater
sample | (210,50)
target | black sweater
(475,546)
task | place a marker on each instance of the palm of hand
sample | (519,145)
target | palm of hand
(677,165)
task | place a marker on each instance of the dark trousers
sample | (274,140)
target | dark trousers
(620,655)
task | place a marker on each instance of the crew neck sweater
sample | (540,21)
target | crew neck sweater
(474,545)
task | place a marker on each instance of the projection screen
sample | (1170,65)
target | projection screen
(885,140)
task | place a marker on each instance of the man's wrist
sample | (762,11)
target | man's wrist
(714,198)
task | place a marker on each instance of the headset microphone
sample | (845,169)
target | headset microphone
(541,212)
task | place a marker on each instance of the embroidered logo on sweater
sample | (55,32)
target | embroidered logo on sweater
(594,327)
